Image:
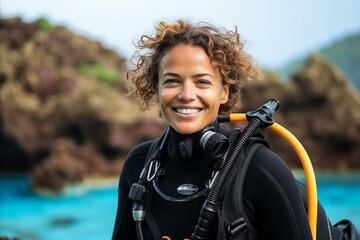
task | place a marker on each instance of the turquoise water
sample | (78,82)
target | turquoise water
(91,215)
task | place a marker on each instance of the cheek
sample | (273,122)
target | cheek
(164,99)
(162,96)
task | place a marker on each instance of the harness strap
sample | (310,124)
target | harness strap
(235,219)
(153,226)
(240,179)
(146,192)
(149,217)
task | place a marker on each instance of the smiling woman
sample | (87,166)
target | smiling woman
(194,72)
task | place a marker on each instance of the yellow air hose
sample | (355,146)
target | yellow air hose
(306,163)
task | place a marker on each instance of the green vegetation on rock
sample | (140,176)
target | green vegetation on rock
(44,24)
(102,73)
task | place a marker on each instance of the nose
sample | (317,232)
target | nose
(187,92)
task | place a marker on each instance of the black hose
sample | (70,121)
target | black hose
(238,146)
(208,209)
(139,230)
(260,118)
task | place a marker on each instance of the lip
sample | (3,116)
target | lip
(187,115)
(187,110)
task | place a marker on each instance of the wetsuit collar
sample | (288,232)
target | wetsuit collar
(196,156)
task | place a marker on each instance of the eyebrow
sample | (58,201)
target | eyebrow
(196,75)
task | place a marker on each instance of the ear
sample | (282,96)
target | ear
(225,94)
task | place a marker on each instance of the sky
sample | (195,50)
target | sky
(275,31)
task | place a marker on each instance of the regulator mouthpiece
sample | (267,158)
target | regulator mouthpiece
(214,143)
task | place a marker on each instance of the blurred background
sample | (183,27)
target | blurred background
(67,123)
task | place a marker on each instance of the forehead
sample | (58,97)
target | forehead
(186,56)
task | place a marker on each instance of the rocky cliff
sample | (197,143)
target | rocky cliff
(320,108)
(65,114)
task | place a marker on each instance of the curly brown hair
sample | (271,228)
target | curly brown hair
(223,47)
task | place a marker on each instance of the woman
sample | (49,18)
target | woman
(194,72)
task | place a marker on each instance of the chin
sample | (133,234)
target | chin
(187,130)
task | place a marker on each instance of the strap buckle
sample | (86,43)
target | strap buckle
(239,225)
(153,170)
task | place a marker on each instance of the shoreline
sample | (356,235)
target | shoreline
(95,183)
(81,188)
(331,175)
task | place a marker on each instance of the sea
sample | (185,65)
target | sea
(88,212)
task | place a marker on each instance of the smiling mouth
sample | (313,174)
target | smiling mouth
(187,110)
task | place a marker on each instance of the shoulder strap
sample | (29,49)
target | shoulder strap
(233,211)
(149,217)
(240,179)
(154,145)
(153,226)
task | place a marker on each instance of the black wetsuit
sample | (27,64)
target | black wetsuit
(270,191)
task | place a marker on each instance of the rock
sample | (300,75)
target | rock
(320,108)
(65,113)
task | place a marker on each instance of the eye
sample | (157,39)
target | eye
(203,82)
(171,82)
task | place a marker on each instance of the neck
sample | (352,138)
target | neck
(185,149)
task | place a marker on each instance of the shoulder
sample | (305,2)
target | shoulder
(141,149)
(266,159)
(269,169)
(136,158)
(269,178)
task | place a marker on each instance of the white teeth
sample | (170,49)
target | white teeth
(187,110)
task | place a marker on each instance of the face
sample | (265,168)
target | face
(190,89)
